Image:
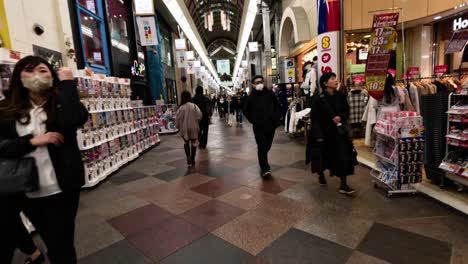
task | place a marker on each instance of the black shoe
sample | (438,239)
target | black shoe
(38,260)
(322,180)
(346,190)
(192,156)
(266,174)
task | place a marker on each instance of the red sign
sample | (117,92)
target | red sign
(440,69)
(381,44)
(392,72)
(15,55)
(359,79)
(404,76)
(413,71)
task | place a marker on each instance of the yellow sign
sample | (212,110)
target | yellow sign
(4,35)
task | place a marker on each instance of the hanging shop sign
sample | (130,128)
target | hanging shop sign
(180,44)
(142,7)
(253,46)
(382,42)
(440,69)
(190,55)
(329,26)
(413,72)
(190,67)
(290,71)
(460,23)
(181,60)
(223,66)
(457,42)
(147,31)
(363,53)
(51,56)
(138,69)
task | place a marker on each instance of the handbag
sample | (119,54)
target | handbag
(18,176)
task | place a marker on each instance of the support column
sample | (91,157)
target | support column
(267,46)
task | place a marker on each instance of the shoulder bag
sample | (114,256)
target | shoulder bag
(18,176)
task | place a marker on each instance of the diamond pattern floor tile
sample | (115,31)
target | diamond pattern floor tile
(146,217)
(398,246)
(127,177)
(190,181)
(216,188)
(297,247)
(273,185)
(250,232)
(292,174)
(140,185)
(119,253)
(209,250)
(246,198)
(212,214)
(166,238)
(361,258)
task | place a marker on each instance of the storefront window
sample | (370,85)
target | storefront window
(90,5)
(92,39)
(93,35)
(117,17)
(166,51)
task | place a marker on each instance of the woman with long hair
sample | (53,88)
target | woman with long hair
(39,119)
(188,122)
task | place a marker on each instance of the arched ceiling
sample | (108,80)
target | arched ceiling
(233,8)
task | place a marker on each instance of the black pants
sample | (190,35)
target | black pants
(54,219)
(264,138)
(203,136)
(13,232)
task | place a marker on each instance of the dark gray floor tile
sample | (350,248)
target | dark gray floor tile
(209,250)
(256,168)
(127,177)
(172,174)
(119,253)
(398,246)
(297,247)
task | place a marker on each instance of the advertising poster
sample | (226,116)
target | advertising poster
(223,66)
(180,44)
(51,56)
(181,60)
(329,26)
(190,68)
(147,31)
(458,42)
(290,71)
(382,42)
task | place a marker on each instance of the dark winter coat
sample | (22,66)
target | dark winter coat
(66,158)
(205,106)
(262,109)
(335,153)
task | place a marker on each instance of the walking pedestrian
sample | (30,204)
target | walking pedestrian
(329,146)
(221,103)
(39,119)
(204,104)
(188,122)
(262,109)
(228,110)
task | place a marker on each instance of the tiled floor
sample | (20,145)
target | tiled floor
(155,210)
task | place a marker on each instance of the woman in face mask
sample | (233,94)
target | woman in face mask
(39,119)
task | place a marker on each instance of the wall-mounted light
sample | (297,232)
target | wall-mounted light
(437,17)
(367,36)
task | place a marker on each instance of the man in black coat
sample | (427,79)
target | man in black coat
(262,110)
(205,106)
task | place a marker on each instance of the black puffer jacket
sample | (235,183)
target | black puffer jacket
(262,109)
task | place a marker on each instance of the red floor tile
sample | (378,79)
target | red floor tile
(166,238)
(243,177)
(212,214)
(216,188)
(139,219)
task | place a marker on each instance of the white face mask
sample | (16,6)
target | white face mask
(37,84)
(259,87)
(308,67)
(306,91)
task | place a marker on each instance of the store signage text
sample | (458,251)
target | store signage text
(460,23)
(440,69)
(328,29)
(382,43)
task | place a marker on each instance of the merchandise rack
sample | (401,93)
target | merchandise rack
(166,114)
(105,156)
(400,160)
(455,163)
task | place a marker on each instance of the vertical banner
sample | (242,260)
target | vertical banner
(290,71)
(223,66)
(181,60)
(329,26)
(147,31)
(382,42)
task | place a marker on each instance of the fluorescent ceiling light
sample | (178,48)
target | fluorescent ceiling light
(176,10)
(244,34)
(86,31)
(437,17)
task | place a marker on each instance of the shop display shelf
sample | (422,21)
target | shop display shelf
(457,178)
(388,160)
(460,137)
